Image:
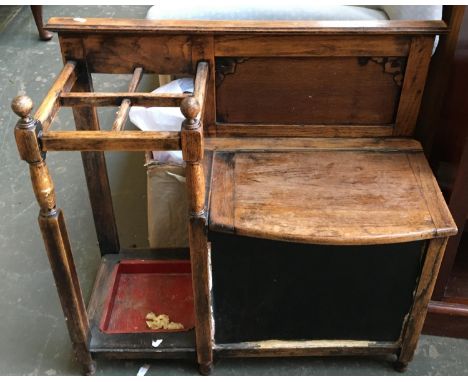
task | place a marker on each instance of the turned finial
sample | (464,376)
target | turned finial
(190,108)
(22,106)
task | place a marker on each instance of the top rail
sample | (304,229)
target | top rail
(50,105)
(105,25)
(80,99)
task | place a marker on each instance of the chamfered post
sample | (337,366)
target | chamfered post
(422,295)
(95,169)
(54,233)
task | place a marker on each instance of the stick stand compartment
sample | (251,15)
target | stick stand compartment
(140,287)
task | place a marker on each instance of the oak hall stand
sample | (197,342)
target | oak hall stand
(316,225)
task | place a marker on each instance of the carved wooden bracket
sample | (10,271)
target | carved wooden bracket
(391,65)
(225,66)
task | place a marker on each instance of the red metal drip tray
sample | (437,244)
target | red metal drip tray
(142,286)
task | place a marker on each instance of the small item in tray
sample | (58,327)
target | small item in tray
(162,321)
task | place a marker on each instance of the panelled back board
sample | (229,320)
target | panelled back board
(327,79)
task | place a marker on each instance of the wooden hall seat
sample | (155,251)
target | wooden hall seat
(321,240)
(307,200)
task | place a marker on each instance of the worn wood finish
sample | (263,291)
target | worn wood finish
(61,261)
(201,279)
(307,144)
(422,296)
(79,100)
(413,85)
(26,140)
(222,204)
(440,214)
(122,113)
(121,53)
(192,151)
(95,169)
(200,86)
(301,46)
(242,130)
(72,48)
(359,197)
(110,140)
(303,94)
(54,233)
(360,27)
(275,348)
(203,51)
(49,107)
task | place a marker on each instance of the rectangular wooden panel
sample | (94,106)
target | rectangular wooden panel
(170,54)
(242,130)
(280,45)
(311,144)
(303,90)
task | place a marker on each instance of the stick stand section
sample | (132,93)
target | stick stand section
(54,233)
(192,150)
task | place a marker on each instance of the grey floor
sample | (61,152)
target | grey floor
(33,336)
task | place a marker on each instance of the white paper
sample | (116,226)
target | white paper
(156,343)
(163,118)
(143,370)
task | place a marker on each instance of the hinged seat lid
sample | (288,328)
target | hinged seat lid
(328,196)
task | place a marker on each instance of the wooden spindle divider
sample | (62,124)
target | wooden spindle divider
(122,113)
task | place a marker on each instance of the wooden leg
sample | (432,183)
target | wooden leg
(37,13)
(434,255)
(201,276)
(400,366)
(192,149)
(54,233)
(205,369)
(63,268)
(94,164)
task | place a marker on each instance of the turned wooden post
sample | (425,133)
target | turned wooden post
(54,233)
(192,150)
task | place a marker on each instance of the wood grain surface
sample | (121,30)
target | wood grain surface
(327,197)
